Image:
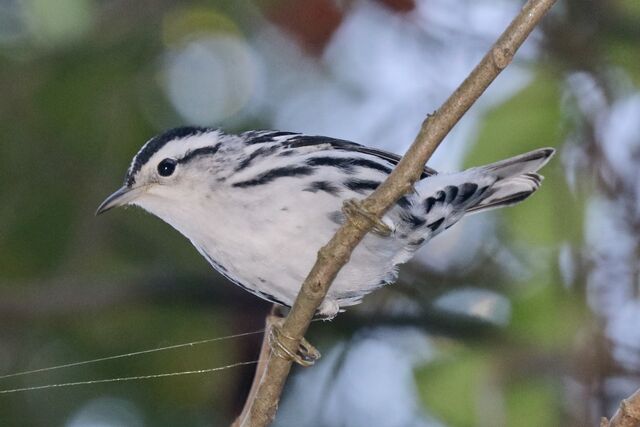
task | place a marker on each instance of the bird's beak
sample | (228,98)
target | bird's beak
(121,197)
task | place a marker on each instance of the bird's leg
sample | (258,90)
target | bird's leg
(284,346)
(361,216)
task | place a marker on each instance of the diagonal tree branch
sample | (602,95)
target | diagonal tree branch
(627,415)
(336,253)
(263,359)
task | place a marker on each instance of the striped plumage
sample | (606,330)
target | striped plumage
(259,205)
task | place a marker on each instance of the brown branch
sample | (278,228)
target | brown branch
(627,415)
(336,253)
(265,350)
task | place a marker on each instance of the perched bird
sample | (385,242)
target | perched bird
(259,205)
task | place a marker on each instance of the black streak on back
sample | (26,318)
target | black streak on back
(260,137)
(435,224)
(268,176)
(348,164)
(404,202)
(325,186)
(340,144)
(361,185)
(263,151)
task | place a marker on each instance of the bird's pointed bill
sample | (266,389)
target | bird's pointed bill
(121,197)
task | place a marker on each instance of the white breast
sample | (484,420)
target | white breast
(266,238)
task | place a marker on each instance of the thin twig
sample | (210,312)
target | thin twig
(336,253)
(627,415)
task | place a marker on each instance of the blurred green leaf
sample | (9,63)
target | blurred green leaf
(630,8)
(60,21)
(529,120)
(546,316)
(449,388)
(625,53)
(533,402)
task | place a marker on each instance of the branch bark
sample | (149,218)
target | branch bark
(627,415)
(265,350)
(336,253)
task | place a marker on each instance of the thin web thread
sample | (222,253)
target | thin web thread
(135,353)
(138,377)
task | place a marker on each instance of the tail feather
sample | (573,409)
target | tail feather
(524,163)
(517,179)
(445,198)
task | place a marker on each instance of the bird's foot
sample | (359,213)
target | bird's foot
(361,216)
(283,346)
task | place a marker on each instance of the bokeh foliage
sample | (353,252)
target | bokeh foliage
(80,91)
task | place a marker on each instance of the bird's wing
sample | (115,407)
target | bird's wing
(296,140)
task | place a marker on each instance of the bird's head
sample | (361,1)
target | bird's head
(169,167)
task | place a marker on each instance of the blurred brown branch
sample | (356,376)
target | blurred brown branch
(73,296)
(628,415)
(263,405)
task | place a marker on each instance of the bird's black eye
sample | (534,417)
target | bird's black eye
(166,167)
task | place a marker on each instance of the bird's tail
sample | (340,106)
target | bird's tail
(517,179)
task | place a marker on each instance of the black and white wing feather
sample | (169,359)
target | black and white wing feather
(290,140)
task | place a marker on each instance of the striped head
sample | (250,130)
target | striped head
(170,163)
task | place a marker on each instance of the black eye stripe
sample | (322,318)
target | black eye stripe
(167,167)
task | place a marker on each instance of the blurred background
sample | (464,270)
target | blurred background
(528,316)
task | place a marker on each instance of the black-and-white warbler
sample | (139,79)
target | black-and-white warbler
(259,205)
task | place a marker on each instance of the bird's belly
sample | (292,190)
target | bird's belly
(273,258)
